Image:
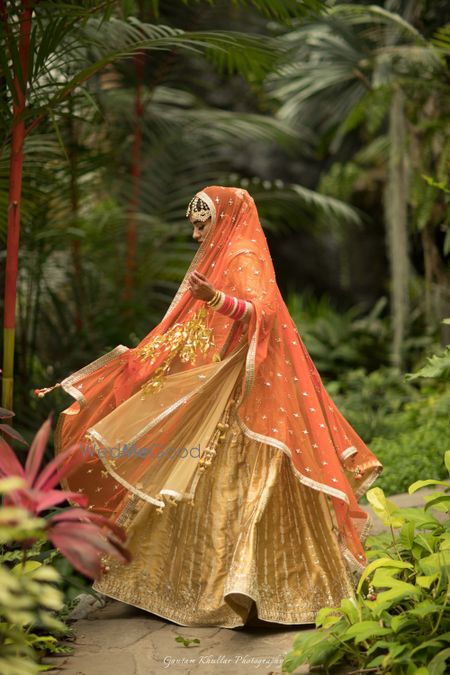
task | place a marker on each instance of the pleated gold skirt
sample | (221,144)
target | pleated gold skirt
(254,537)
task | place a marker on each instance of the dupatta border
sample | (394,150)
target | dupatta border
(269,440)
(274,442)
(68,382)
(97,439)
(179,402)
(348,452)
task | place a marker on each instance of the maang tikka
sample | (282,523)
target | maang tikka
(198,210)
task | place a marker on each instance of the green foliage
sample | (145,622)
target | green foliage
(339,340)
(370,400)
(83,44)
(398,621)
(357,76)
(344,340)
(398,420)
(438,366)
(442,39)
(413,442)
(29,594)
(277,9)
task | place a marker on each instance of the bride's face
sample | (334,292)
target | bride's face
(200,229)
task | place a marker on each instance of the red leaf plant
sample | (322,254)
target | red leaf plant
(81,536)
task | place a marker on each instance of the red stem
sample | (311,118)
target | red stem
(15,182)
(16,168)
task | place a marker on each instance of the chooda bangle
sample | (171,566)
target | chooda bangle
(229,305)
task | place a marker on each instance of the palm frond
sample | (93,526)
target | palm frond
(441,39)
(61,64)
(361,14)
(282,10)
(298,206)
(343,56)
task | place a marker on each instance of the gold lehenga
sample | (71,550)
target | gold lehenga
(252,532)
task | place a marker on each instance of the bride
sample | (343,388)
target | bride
(215,444)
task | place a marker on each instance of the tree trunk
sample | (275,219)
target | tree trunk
(437,283)
(133,206)
(396,214)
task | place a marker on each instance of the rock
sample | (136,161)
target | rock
(87,604)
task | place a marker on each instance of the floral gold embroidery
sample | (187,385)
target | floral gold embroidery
(184,340)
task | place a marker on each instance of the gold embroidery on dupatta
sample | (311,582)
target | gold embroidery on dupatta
(184,340)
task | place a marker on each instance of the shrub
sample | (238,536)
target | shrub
(399,619)
(29,594)
(399,421)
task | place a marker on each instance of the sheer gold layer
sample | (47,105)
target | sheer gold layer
(252,533)
(162,436)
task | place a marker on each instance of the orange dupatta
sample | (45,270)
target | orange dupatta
(283,401)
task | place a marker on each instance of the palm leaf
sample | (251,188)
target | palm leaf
(277,9)
(89,47)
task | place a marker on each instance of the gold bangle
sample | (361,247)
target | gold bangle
(214,299)
(217,305)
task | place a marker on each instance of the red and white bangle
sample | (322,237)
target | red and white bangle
(229,305)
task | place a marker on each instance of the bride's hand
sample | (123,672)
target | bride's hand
(200,286)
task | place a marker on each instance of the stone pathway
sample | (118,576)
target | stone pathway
(119,639)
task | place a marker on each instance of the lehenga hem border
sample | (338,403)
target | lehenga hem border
(263,616)
(168,618)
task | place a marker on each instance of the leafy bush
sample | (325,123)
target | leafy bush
(29,596)
(398,419)
(342,340)
(437,366)
(371,401)
(29,601)
(414,442)
(398,622)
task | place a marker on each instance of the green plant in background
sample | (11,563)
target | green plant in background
(437,366)
(399,419)
(342,340)
(398,622)
(419,430)
(372,85)
(414,440)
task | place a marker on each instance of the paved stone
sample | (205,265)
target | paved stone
(125,640)
(118,639)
